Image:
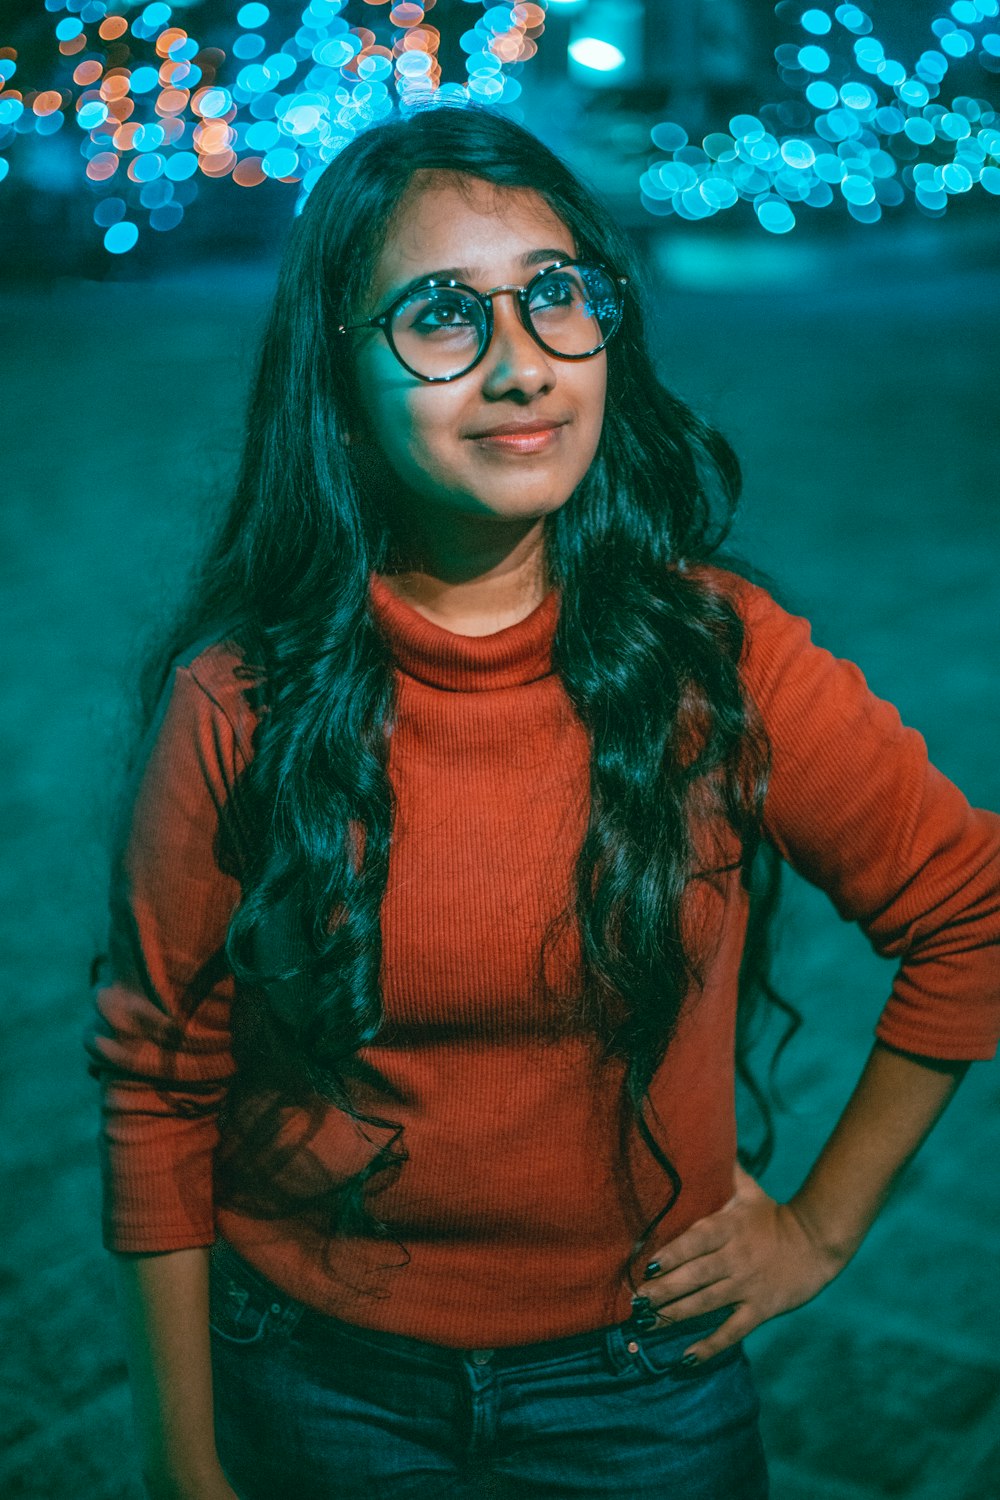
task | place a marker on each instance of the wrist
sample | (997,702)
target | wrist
(834,1243)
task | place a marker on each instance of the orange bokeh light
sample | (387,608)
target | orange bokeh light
(422,39)
(510,47)
(111,27)
(248,172)
(87,72)
(171,101)
(406,13)
(74,45)
(121,109)
(116,87)
(166,39)
(527,15)
(124,136)
(102,166)
(213,138)
(47,102)
(218,164)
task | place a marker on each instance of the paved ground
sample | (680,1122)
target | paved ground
(865,408)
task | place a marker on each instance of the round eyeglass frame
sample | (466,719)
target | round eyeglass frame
(522,295)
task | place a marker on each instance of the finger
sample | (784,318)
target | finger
(691,1277)
(702,1238)
(706,1299)
(725,1336)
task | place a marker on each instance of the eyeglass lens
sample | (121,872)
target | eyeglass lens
(440,331)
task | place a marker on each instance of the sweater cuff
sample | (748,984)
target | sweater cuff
(940,1042)
(156,1176)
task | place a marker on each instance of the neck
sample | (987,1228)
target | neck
(476,593)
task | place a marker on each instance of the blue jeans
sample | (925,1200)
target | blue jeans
(307,1406)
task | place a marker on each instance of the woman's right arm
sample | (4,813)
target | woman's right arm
(163,1301)
(159,1044)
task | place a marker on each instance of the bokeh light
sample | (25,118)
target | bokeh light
(152,103)
(156,107)
(865,132)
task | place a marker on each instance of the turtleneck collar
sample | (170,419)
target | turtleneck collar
(466,663)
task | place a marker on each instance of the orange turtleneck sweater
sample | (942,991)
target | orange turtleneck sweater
(512,1203)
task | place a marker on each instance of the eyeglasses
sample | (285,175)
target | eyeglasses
(442,329)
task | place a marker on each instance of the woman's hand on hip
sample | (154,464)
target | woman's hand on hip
(755,1254)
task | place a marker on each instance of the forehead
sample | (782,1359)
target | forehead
(447,218)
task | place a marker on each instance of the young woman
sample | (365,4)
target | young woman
(417,1037)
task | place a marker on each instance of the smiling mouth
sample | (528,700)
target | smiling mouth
(521,442)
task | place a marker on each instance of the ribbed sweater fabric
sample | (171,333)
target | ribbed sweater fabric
(516,1209)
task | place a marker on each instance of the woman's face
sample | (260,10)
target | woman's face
(431,435)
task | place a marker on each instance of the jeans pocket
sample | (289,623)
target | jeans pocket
(244,1307)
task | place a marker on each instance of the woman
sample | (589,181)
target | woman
(417,1038)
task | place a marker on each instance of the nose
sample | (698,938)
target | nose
(514,360)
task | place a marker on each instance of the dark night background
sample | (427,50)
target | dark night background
(853,366)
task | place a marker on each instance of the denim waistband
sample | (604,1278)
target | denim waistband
(308,1319)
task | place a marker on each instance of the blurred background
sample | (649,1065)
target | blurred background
(820,239)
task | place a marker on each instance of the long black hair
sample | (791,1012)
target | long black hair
(648,650)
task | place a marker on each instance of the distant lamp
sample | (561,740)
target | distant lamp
(598,56)
(605,46)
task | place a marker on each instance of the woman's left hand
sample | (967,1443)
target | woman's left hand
(754,1253)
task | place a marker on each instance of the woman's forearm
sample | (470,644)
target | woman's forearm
(164,1306)
(761,1257)
(896,1102)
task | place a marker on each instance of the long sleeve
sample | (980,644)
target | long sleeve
(856,807)
(159,1039)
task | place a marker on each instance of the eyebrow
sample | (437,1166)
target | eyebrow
(469,274)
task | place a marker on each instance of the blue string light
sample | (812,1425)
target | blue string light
(856,135)
(157,109)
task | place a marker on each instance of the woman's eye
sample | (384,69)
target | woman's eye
(444,315)
(560,291)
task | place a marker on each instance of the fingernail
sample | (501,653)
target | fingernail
(641,1305)
(653,1269)
(689,1361)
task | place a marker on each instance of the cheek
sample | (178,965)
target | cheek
(592,401)
(423,429)
(416,436)
(389,404)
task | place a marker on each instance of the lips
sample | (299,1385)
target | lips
(525,440)
(520,429)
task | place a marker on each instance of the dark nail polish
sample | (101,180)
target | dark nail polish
(653,1269)
(689,1361)
(641,1305)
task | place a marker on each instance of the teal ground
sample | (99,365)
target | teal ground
(863,401)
